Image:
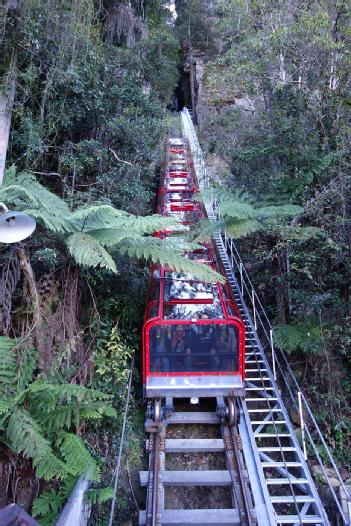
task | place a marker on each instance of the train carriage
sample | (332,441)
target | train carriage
(193,336)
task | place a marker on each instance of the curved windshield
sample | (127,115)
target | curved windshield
(194,348)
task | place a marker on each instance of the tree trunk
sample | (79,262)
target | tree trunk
(7,97)
(38,326)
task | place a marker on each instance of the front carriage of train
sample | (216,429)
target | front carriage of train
(193,335)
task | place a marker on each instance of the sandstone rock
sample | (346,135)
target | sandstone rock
(334,481)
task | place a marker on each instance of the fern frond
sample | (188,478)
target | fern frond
(267,212)
(77,456)
(26,368)
(157,251)
(8,368)
(5,405)
(33,198)
(148,225)
(304,336)
(95,216)
(62,406)
(238,229)
(26,437)
(99,496)
(63,393)
(87,251)
(242,217)
(96,410)
(237,210)
(47,506)
(50,467)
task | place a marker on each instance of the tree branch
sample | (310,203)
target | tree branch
(121,160)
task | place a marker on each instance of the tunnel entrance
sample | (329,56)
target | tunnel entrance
(182,94)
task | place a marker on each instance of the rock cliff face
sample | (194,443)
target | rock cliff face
(199,99)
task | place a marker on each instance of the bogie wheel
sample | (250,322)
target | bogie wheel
(157,411)
(232,414)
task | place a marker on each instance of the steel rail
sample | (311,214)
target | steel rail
(244,500)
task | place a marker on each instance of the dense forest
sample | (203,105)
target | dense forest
(86,92)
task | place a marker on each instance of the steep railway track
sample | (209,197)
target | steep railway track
(266,469)
(157,478)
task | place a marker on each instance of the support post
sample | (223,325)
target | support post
(302,425)
(254,307)
(273,354)
(241,278)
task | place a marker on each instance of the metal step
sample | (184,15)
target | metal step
(262,399)
(285,481)
(281,464)
(285,499)
(269,449)
(267,422)
(272,435)
(297,519)
(210,517)
(265,410)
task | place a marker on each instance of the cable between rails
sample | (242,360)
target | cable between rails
(118,466)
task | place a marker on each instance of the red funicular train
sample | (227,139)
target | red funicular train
(193,336)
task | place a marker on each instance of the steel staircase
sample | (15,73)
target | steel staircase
(280,472)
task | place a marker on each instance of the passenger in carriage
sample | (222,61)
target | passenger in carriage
(180,345)
(160,345)
(226,344)
(203,349)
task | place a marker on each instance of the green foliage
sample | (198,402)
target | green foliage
(48,505)
(77,456)
(242,217)
(28,195)
(7,361)
(100,226)
(113,359)
(99,496)
(87,251)
(305,336)
(37,417)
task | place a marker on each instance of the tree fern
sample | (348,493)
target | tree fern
(77,456)
(26,366)
(241,216)
(28,195)
(90,229)
(36,416)
(63,406)
(159,251)
(87,251)
(304,335)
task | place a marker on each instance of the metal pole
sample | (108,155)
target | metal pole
(254,307)
(302,425)
(241,278)
(273,354)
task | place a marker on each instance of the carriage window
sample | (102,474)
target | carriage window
(181,288)
(191,311)
(194,348)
